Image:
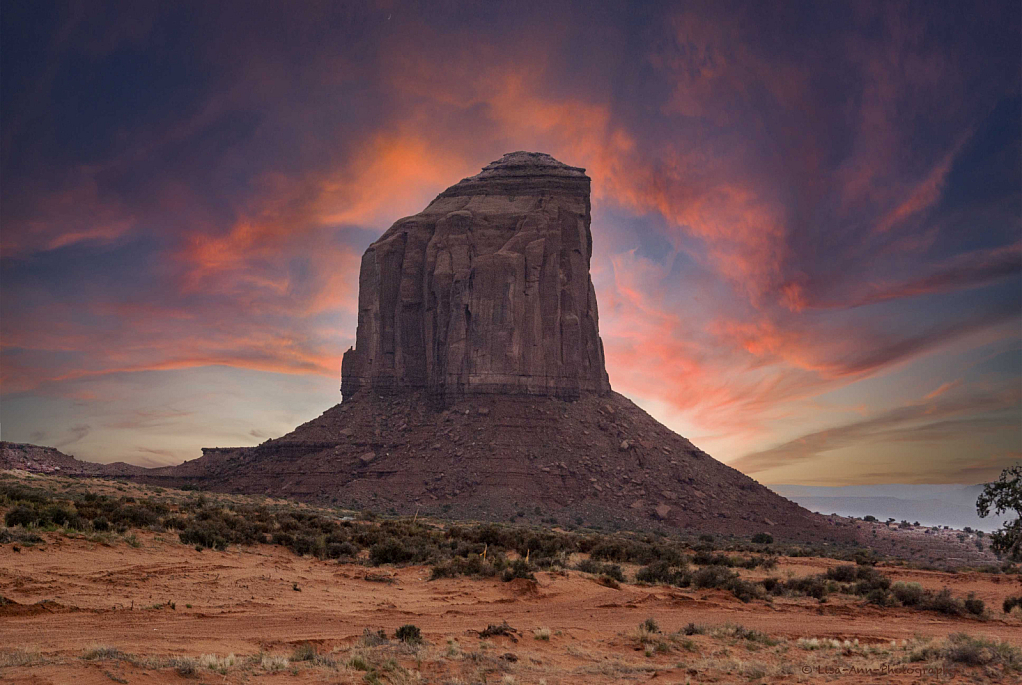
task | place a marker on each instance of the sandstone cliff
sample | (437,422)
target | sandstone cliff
(486,291)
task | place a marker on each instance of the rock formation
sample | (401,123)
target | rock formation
(486,291)
(484,301)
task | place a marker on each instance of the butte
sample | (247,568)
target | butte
(477,386)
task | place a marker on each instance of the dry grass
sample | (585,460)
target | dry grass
(20,657)
(274,662)
(723,655)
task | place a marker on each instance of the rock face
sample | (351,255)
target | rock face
(486,291)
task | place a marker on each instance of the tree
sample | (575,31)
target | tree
(1005,495)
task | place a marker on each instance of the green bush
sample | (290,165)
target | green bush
(409,634)
(976,651)
(21,515)
(763,538)
(943,603)
(1010,603)
(459,566)
(713,577)
(304,652)
(337,550)
(810,586)
(842,574)
(597,569)
(519,568)
(974,605)
(391,551)
(908,594)
(663,573)
(206,536)
(870,579)
(881,598)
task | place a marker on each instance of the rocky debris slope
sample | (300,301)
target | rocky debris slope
(37,459)
(486,291)
(599,460)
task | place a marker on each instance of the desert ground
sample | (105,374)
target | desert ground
(141,607)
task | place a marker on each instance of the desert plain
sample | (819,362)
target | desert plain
(140,606)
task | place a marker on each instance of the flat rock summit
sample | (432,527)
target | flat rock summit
(477,386)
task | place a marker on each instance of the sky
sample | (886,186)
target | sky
(807,217)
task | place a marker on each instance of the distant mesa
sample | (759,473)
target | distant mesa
(486,291)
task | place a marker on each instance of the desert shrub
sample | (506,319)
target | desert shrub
(713,577)
(336,550)
(139,515)
(943,603)
(745,590)
(596,568)
(460,566)
(870,579)
(775,586)
(740,632)
(693,629)
(305,544)
(185,667)
(976,651)
(706,558)
(519,568)
(207,536)
(974,605)
(60,515)
(392,551)
(810,586)
(763,538)
(9,494)
(1010,603)
(908,594)
(304,652)
(21,515)
(881,598)
(663,573)
(631,551)
(409,634)
(283,539)
(15,535)
(842,574)
(650,625)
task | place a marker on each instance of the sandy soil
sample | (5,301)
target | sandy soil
(163,599)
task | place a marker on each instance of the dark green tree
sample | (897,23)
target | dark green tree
(1005,495)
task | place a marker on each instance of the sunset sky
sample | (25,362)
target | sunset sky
(806,216)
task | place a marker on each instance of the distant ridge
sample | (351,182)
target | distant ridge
(932,505)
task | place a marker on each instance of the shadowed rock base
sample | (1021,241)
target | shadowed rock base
(600,460)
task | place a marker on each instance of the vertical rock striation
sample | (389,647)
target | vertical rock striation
(485,291)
